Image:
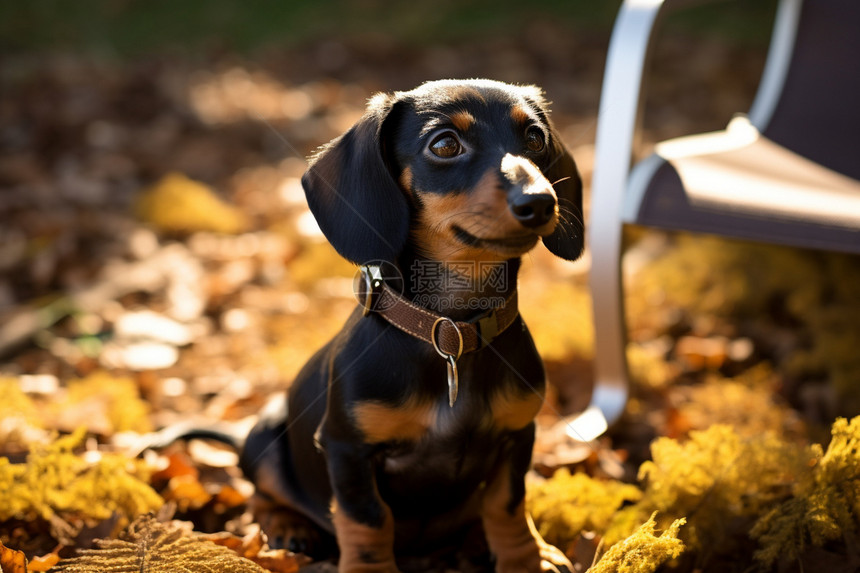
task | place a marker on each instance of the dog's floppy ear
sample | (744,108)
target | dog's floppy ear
(568,239)
(351,192)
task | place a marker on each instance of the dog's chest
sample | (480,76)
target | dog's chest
(422,420)
(447,436)
(438,435)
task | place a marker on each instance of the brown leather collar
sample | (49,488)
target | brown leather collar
(450,338)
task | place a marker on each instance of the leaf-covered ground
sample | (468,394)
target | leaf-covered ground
(158,264)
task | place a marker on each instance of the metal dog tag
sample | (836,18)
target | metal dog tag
(453,380)
(450,359)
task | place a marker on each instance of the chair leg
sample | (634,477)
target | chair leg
(610,358)
(619,104)
(610,391)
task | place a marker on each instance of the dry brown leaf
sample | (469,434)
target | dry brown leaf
(230,497)
(228,540)
(178,464)
(280,560)
(253,542)
(44,563)
(187,492)
(12,561)
(252,547)
(177,203)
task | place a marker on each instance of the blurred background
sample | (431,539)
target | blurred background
(155,243)
(168,140)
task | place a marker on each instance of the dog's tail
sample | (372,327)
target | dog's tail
(228,434)
(235,435)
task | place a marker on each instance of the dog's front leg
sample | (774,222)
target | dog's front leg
(510,532)
(362,521)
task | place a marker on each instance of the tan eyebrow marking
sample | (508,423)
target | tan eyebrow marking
(520,115)
(462,120)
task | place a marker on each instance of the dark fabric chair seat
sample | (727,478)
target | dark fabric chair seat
(740,184)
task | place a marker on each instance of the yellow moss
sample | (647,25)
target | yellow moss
(643,551)
(718,480)
(826,506)
(749,410)
(716,276)
(713,478)
(565,505)
(15,401)
(649,368)
(559,318)
(123,407)
(713,277)
(56,480)
(18,413)
(179,204)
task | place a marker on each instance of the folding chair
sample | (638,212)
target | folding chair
(786,173)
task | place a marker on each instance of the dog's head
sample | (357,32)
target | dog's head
(467,170)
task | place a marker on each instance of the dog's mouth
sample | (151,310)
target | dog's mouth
(516,243)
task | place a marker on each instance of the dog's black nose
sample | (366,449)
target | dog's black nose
(533,209)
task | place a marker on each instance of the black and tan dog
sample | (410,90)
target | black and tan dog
(416,421)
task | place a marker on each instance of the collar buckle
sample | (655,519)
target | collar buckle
(369,285)
(488,328)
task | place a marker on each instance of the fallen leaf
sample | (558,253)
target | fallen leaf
(187,492)
(44,563)
(177,203)
(178,464)
(231,497)
(228,540)
(280,560)
(252,547)
(12,561)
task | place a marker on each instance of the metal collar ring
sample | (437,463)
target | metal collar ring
(436,346)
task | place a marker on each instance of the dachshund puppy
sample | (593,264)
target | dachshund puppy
(416,421)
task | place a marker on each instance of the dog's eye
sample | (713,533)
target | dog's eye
(535,141)
(446,146)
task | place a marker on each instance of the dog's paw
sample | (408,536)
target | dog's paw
(287,529)
(540,557)
(553,560)
(352,566)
